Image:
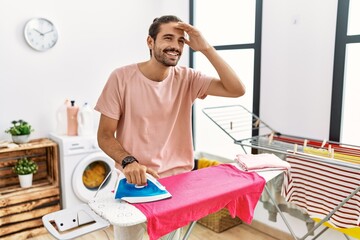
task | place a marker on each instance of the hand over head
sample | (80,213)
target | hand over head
(195,39)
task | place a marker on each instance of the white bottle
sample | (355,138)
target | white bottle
(86,121)
(61,118)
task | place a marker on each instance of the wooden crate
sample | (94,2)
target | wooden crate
(21,209)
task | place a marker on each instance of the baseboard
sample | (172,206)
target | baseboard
(259,226)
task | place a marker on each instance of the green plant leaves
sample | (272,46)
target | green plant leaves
(19,127)
(25,166)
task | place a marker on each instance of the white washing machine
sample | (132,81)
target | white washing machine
(83,167)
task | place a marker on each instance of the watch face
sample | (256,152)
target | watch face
(40,34)
(127,160)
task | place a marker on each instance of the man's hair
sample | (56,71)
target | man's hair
(157,22)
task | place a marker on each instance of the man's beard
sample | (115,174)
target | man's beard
(161,57)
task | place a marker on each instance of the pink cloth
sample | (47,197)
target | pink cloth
(251,162)
(199,193)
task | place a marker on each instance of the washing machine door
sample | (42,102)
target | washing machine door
(90,173)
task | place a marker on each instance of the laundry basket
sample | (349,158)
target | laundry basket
(221,220)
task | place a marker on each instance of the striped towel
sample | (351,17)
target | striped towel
(318,187)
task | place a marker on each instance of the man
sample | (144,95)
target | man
(145,123)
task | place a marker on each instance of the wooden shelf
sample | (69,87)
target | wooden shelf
(21,209)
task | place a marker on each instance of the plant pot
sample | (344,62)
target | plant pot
(26,180)
(20,138)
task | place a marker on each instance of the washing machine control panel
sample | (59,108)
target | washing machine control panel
(73,145)
(79,147)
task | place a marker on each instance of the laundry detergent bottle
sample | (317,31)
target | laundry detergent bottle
(86,121)
(61,118)
(72,122)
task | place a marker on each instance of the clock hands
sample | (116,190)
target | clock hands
(48,31)
(42,34)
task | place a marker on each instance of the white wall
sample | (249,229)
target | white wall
(298,41)
(94,38)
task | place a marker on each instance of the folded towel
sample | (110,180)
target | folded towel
(252,162)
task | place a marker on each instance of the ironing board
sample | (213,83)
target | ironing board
(126,215)
(111,211)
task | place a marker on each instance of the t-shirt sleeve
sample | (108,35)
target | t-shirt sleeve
(109,102)
(200,84)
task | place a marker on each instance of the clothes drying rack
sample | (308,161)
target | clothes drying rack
(253,134)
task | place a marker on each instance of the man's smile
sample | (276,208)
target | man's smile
(172,52)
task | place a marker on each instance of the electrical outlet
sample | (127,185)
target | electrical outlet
(67,221)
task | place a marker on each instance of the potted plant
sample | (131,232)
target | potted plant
(20,131)
(25,168)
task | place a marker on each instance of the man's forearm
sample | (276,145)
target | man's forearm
(112,148)
(228,77)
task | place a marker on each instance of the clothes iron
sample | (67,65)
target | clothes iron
(132,193)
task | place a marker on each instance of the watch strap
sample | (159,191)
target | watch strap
(127,160)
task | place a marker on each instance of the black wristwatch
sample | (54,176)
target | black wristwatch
(127,160)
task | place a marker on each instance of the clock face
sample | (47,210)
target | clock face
(40,34)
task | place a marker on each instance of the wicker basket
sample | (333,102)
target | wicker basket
(219,221)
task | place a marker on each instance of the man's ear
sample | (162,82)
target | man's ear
(150,42)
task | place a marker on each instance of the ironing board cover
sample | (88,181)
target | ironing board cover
(117,212)
(199,193)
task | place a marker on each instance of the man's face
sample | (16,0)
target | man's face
(169,44)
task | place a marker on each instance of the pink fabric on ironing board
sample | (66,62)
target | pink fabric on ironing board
(199,193)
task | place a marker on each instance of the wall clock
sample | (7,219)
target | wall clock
(40,34)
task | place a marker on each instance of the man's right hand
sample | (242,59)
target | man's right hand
(135,173)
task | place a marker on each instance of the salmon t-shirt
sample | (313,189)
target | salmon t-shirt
(154,117)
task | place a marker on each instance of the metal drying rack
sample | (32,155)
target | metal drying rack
(237,121)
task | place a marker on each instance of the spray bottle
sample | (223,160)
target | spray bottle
(85,121)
